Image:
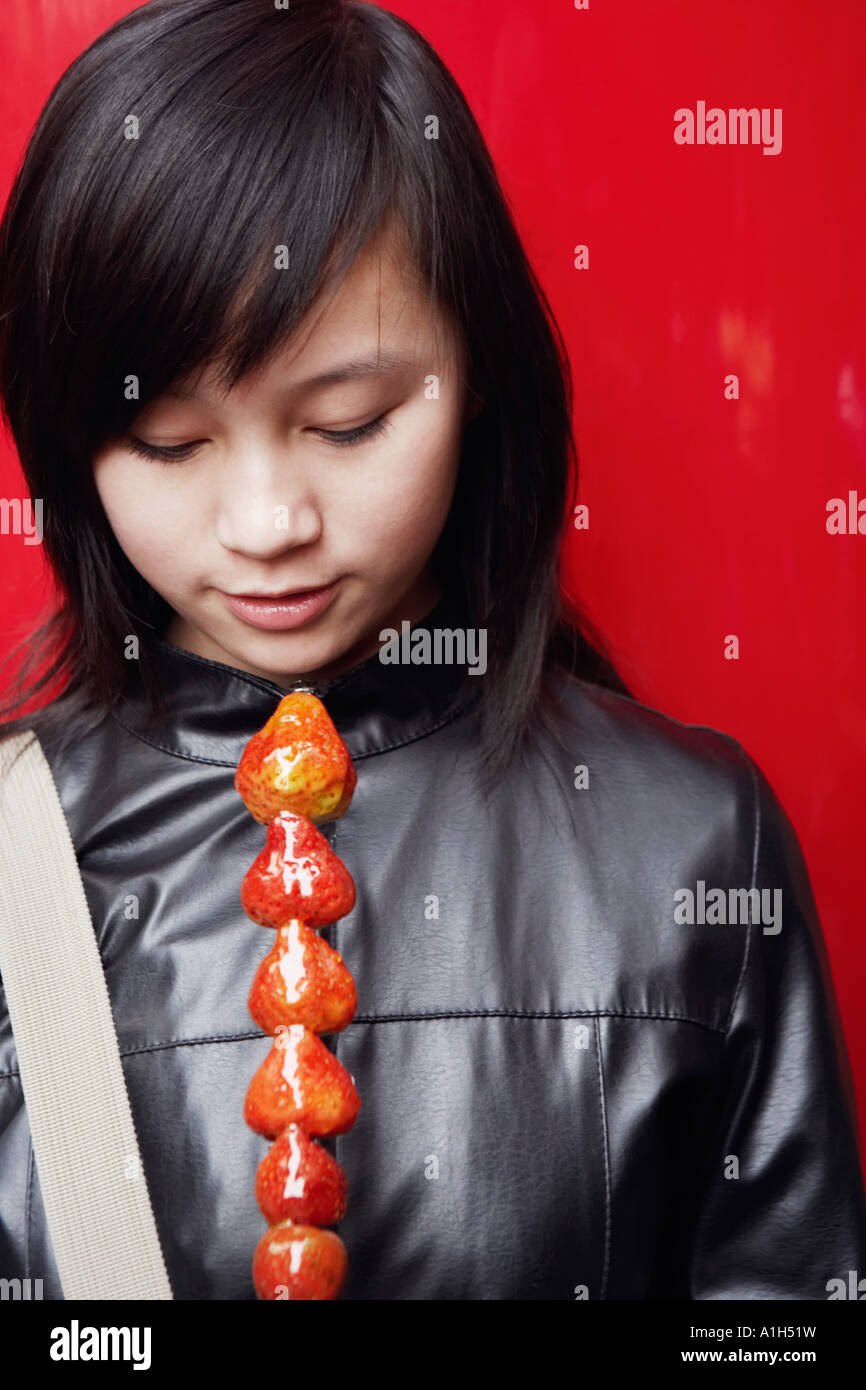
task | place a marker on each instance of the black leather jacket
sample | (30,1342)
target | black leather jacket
(566,1091)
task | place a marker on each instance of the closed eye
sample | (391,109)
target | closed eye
(177,453)
(343,437)
(174,453)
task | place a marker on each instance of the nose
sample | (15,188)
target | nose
(266,505)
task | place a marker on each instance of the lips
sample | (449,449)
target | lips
(279,612)
(285,594)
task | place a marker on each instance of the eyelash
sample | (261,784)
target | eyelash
(180,452)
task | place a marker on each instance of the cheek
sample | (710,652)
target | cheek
(153,525)
(405,497)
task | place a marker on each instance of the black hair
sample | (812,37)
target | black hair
(261,126)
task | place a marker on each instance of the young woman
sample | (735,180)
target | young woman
(267,329)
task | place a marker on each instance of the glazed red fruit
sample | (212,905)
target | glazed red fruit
(302,980)
(298,1180)
(297,874)
(298,1262)
(300,1081)
(296,762)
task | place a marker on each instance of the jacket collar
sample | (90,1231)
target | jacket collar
(213,710)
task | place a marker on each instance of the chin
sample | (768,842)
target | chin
(293,652)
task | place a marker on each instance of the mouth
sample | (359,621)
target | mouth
(279,612)
(284,594)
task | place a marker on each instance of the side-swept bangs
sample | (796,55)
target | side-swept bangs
(173,158)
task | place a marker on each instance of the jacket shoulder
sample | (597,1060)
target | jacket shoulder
(671,831)
(85,753)
(660,764)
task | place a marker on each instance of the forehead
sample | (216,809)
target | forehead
(378,321)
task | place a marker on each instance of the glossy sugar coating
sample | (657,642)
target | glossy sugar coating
(294,772)
(302,980)
(300,1081)
(297,762)
(298,1262)
(298,1180)
(296,876)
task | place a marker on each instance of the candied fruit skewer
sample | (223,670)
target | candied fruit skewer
(297,762)
(302,980)
(296,875)
(294,772)
(300,1081)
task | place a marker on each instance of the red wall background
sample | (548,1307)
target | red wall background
(707,516)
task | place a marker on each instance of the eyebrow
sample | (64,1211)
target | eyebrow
(385,363)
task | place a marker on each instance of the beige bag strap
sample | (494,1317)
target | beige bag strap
(93,1184)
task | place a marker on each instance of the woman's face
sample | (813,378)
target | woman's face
(266,501)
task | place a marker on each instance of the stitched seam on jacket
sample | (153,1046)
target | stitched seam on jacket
(208,665)
(219,762)
(607,1199)
(755,843)
(537,1013)
(256,681)
(423,1018)
(590,686)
